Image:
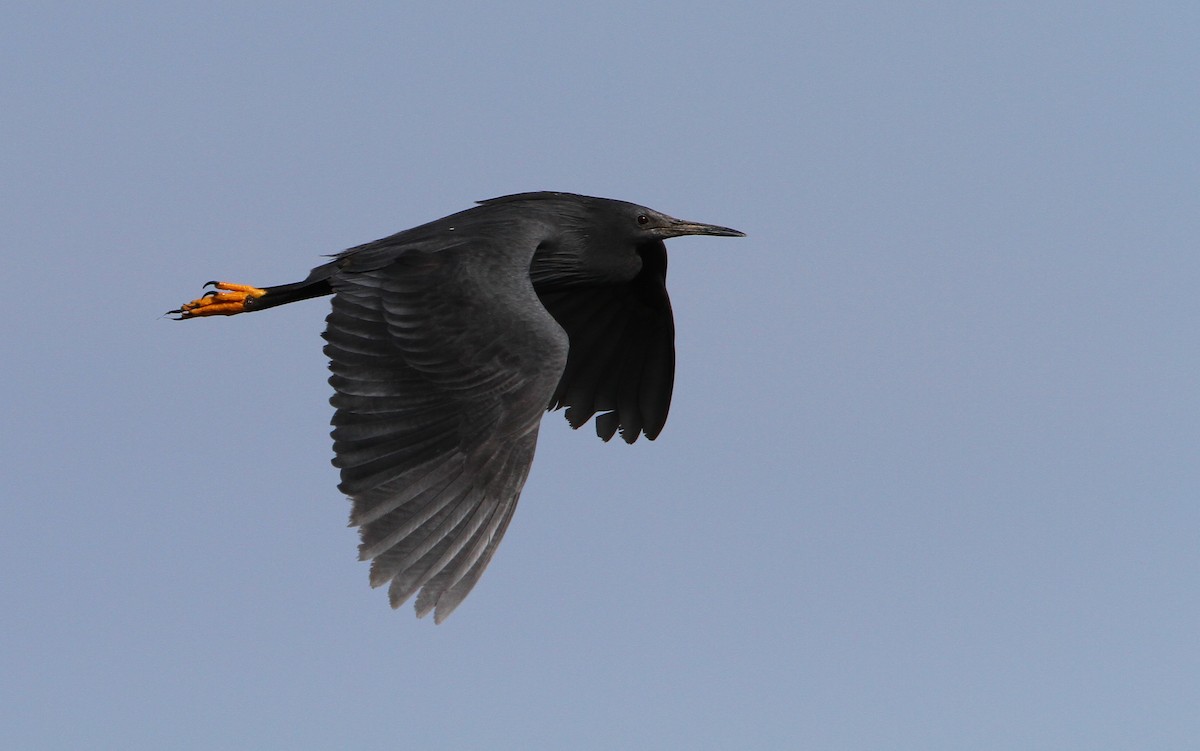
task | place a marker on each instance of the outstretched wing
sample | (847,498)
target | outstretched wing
(440,384)
(622,358)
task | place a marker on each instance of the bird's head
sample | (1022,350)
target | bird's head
(640,224)
(649,223)
(589,240)
(615,237)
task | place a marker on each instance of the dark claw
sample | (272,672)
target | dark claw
(210,293)
(210,284)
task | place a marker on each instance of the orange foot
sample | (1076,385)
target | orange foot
(213,303)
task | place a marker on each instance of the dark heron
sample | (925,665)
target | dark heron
(446,344)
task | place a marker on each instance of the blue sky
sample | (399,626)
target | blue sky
(930,479)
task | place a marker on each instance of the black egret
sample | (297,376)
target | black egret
(448,341)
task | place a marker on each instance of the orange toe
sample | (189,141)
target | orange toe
(231,300)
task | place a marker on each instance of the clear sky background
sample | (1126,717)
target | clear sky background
(932,472)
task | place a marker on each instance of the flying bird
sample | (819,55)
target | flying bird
(449,340)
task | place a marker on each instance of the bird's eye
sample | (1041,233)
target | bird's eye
(643,220)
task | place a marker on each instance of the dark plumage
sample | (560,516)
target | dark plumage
(449,340)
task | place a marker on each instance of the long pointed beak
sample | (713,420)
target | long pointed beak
(679,228)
